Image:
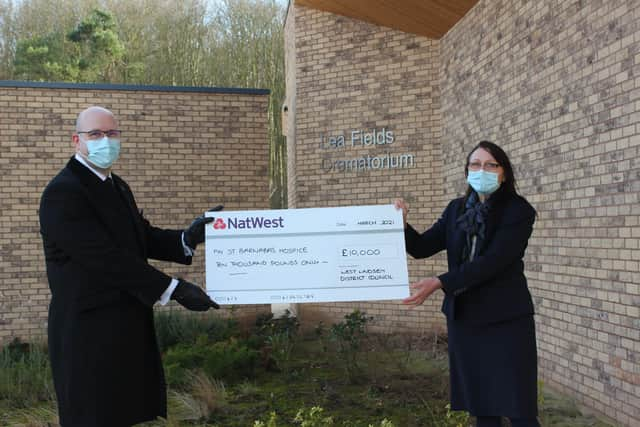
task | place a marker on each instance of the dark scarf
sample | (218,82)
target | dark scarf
(474,223)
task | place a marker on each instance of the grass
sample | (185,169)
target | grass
(400,379)
(175,327)
(25,375)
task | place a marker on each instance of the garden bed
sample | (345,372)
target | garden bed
(273,376)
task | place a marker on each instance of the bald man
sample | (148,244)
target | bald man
(104,356)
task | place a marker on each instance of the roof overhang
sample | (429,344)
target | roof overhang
(429,18)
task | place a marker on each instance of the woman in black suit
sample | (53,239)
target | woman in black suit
(492,342)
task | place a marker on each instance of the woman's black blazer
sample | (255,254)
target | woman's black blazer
(492,287)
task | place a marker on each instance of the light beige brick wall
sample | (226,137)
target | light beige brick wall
(352,75)
(289,116)
(182,153)
(556,84)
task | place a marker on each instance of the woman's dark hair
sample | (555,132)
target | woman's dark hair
(509,184)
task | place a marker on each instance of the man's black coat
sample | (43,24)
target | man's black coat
(104,356)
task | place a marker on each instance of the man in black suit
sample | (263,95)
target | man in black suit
(106,366)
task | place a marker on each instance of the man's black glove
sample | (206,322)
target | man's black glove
(192,297)
(194,234)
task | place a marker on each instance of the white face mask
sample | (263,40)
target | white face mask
(483,182)
(103,152)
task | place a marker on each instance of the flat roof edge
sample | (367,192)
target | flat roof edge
(152,88)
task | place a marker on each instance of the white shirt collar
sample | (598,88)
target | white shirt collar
(98,174)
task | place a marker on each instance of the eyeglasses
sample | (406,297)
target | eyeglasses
(488,166)
(99,134)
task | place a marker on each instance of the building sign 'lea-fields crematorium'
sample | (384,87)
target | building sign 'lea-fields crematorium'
(358,138)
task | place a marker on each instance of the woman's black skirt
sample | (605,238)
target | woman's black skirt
(493,368)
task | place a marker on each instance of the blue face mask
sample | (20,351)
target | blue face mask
(103,152)
(483,182)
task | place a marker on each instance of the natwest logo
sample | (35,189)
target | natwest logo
(219,224)
(250,222)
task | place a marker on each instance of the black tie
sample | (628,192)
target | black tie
(122,211)
(111,185)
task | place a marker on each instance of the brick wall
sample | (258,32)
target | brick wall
(289,115)
(182,153)
(556,84)
(350,75)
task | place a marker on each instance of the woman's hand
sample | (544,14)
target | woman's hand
(422,290)
(400,204)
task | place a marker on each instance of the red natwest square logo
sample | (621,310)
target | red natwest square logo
(219,224)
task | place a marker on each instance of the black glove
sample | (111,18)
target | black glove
(194,234)
(192,297)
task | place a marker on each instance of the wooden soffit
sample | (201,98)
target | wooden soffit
(429,18)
